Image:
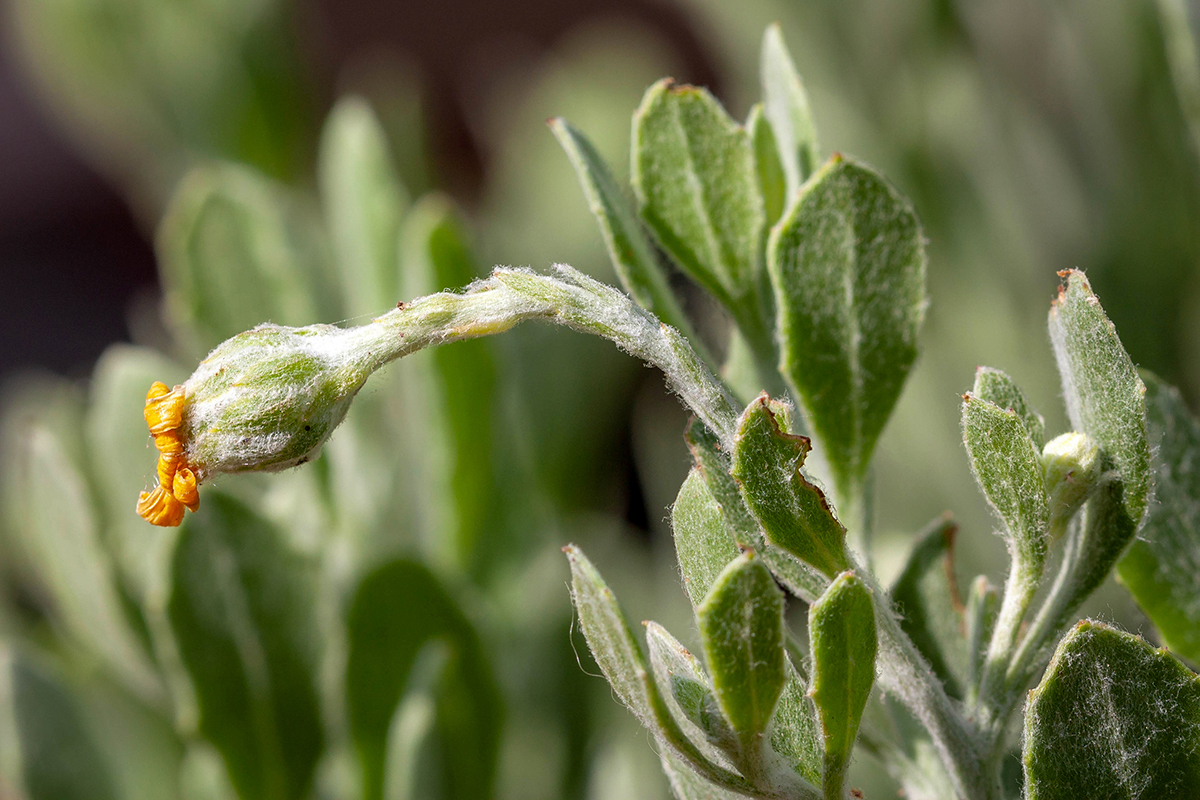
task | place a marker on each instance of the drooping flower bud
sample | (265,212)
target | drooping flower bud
(1071,465)
(267,399)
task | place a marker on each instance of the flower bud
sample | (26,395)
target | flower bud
(264,400)
(1071,466)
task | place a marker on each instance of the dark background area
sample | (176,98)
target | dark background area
(72,255)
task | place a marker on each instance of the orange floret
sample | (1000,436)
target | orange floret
(177,484)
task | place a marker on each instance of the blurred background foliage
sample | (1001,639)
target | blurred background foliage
(392,621)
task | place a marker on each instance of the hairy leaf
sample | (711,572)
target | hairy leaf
(60,541)
(841,631)
(1105,397)
(800,579)
(1008,468)
(786,106)
(980,619)
(794,733)
(996,387)
(241,608)
(1113,717)
(364,202)
(620,659)
(741,624)
(682,681)
(632,254)
(695,177)
(400,608)
(926,598)
(703,543)
(847,262)
(792,511)
(236,248)
(1162,567)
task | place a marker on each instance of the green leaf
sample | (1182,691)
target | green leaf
(714,465)
(1105,397)
(241,608)
(792,511)
(620,659)
(59,538)
(848,265)
(689,693)
(794,732)
(398,609)
(786,106)
(1161,567)
(60,759)
(841,631)
(703,543)
(1008,468)
(122,464)
(1113,717)
(454,396)
(772,182)
(235,249)
(741,625)
(979,620)
(632,254)
(695,177)
(996,387)
(687,785)
(364,203)
(927,601)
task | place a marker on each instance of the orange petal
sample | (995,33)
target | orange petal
(169,444)
(184,488)
(160,508)
(167,468)
(164,408)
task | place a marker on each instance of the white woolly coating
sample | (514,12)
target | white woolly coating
(268,398)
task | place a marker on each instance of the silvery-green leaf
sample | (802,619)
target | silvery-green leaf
(841,625)
(60,758)
(694,175)
(1106,400)
(241,609)
(235,248)
(786,106)
(632,254)
(927,601)
(979,620)
(799,578)
(122,456)
(453,395)
(60,540)
(1008,468)
(364,203)
(741,625)
(847,262)
(1105,397)
(687,785)
(772,180)
(792,511)
(1162,566)
(620,659)
(703,542)
(996,387)
(1113,717)
(794,734)
(688,691)
(398,609)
